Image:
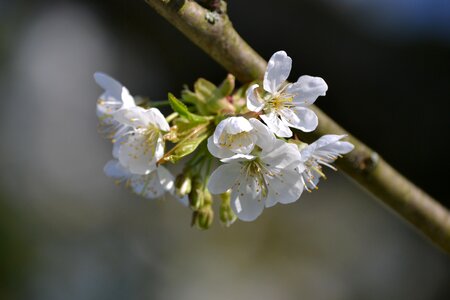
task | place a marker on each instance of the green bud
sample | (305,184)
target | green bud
(197,195)
(222,105)
(208,197)
(227,86)
(220,99)
(204,88)
(227,216)
(183,185)
(211,99)
(204,217)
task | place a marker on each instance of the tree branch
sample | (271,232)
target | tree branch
(214,33)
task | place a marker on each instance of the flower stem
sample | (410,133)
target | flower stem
(171,117)
(208,170)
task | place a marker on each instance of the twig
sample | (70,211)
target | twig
(219,40)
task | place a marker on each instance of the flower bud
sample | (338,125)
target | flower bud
(204,217)
(183,185)
(220,100)
(197,194)
(222,105)
(208,198)
(227,216)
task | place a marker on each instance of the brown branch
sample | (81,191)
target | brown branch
(215,34)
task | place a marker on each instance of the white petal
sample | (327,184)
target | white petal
(105,111)
(243,144)
(223,178)
(301,118)
(285,187)
(238,158)
(330,142)
(218,152)
(111,86)
(219,131)
(254,102)
(115,92)
(127,99)
(114,169)
(147,186)
(340,147)
(133,116)
(307,89)
(246,200)
(166,179)
(235,125)
(110,128)
(301,167)
(234,132)
(307,152)
(159,149)
(114,98)
(118,143)
(326,140)
(276,125)
(281,156)
(158,119)
(135,154)
(265,138)
(278,69)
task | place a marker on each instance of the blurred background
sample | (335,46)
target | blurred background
(67,232)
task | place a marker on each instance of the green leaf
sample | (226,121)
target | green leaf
(186,147)
(183,111)
(184,127)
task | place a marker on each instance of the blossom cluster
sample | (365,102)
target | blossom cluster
(251,136)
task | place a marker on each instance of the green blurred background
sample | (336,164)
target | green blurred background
(67,232)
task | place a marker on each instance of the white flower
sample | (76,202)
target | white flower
(114,98)
(259,180)
(324,151)
(237,135)
(152,185)
(140,148)
(285,105)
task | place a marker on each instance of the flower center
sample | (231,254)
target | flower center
(313,169)
(234,141)
(278,102)
(256,169)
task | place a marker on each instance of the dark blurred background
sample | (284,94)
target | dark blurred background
(67,232)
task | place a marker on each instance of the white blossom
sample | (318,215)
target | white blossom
(114,98)
(140,148)
(285,105)
(237,135)
(259,180)
(152,185)
(322,152)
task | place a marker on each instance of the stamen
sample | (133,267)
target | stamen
(318,169)
(327,164)
(304,184)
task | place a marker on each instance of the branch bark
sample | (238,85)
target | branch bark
(214,33)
